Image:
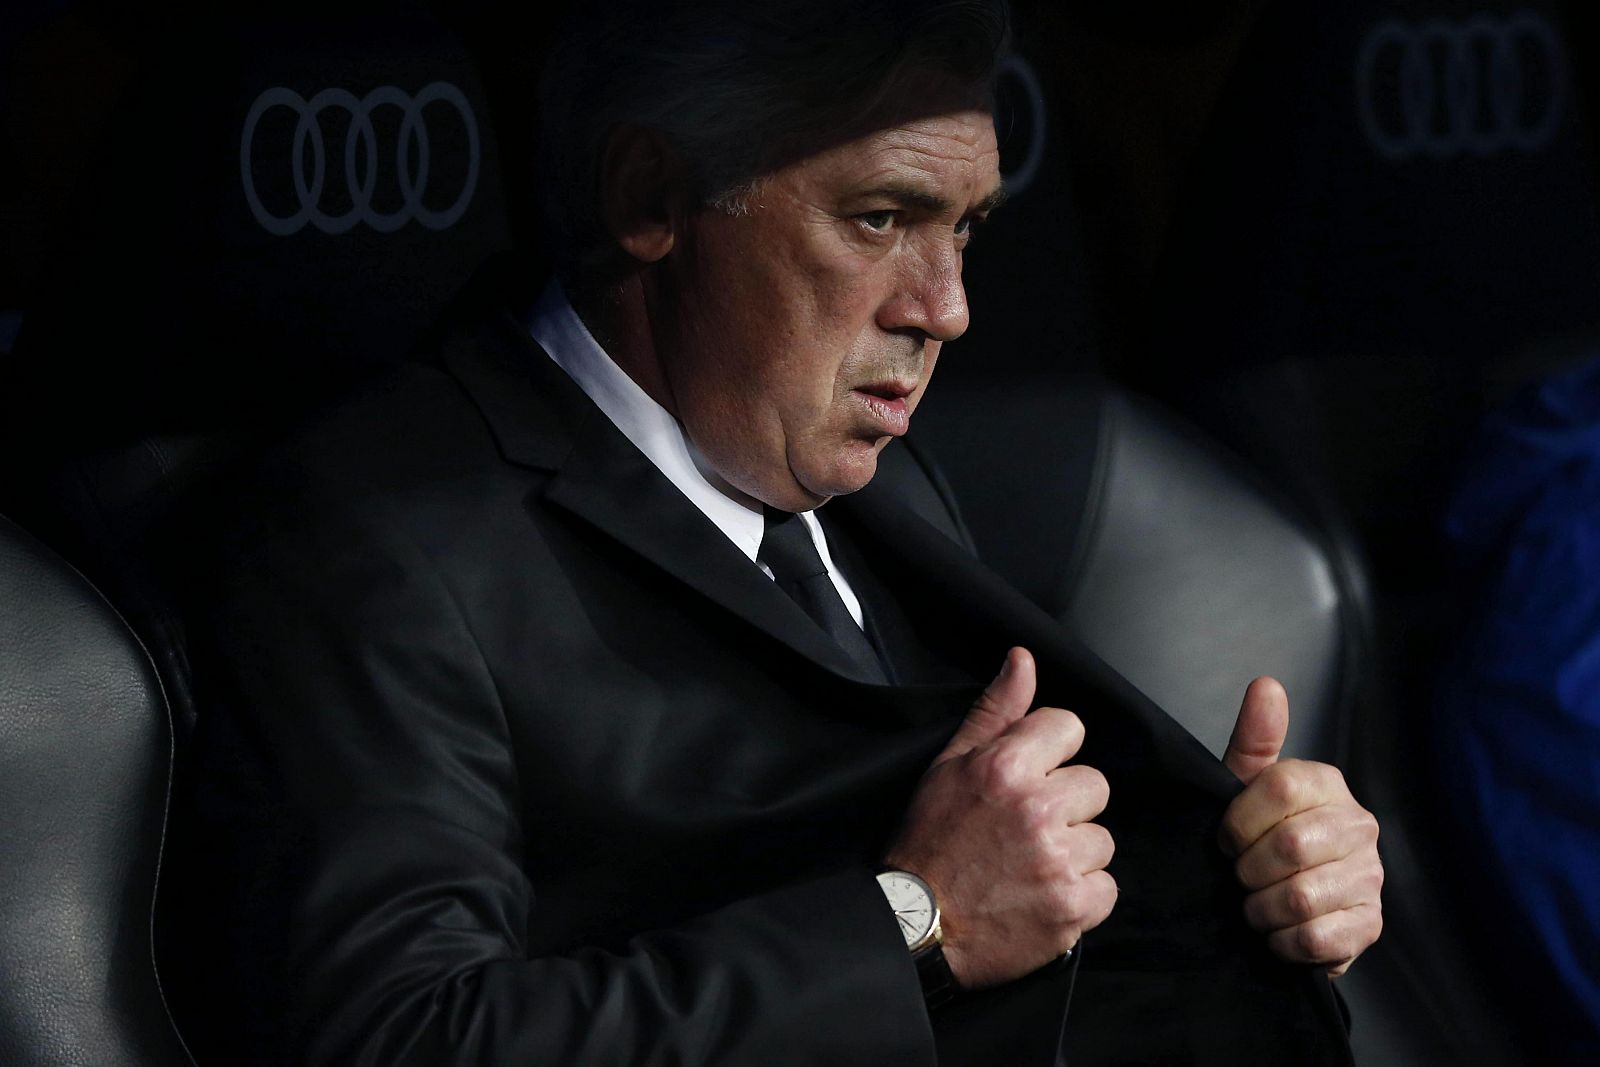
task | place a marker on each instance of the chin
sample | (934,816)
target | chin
(847,476)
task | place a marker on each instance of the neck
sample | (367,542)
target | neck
(619,318)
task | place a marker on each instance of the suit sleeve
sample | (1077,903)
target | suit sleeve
(358,803)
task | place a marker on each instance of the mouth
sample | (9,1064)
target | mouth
(888,413)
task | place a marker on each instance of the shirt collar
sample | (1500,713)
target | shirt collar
(555,324)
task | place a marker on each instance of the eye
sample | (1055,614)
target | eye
(877,221)
(967,228)
(970,223)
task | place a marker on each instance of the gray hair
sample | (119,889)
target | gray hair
(735,85)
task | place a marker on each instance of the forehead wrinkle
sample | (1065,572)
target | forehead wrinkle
(914,179)
(942,146)
(936,164)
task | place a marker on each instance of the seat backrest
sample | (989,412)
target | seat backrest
(1156,548)
(1193,579)
(85,765)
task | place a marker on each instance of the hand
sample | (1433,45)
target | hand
(1000,830)
(1306,850)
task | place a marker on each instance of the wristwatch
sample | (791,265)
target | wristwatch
(918,915)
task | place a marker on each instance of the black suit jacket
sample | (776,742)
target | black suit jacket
(507,756)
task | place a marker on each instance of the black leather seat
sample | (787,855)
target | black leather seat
(1158,550)
(85,765)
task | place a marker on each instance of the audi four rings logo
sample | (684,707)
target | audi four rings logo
(411,163)
(1474,87)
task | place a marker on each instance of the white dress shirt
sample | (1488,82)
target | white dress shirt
(654,431)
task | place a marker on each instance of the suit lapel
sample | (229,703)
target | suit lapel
(611,485)
(542,419)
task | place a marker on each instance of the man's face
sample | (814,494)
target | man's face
(797,339)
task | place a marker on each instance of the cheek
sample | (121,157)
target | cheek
(930,359)
(838,339)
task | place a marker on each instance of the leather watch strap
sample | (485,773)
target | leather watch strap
(933,970)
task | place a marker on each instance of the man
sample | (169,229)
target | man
(547,723)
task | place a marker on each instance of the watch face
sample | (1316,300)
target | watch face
(912,903)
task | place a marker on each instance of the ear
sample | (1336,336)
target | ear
(643,191)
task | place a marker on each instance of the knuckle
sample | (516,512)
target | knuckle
(1367,826)
(987,712)
(1328,778)
(1056,901)
(1102,785)
(1314,941)
(1066,899)
(1234,840)
(1104,844)
(1280,784)
(1302,899)
(1036,813)
(1254,911)
(1074,728)
(1293,844)
(1002,769)
(1106,893)
(1094,786)
(1374,881)
(1327,941)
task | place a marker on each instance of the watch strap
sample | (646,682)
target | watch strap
(933,971)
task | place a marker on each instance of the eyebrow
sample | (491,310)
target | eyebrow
(992,201)
(923,200)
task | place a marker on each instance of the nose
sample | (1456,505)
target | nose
(929,296)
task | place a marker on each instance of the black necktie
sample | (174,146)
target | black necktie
(787,548)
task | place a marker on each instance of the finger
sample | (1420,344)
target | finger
(1259,731)
(1043,740)
(1300,898)
(1006,700)
(1077,907)
(1078,793)
(1279,792)
(1090,847)
(1332,940)
(1307,840)
(1099,897)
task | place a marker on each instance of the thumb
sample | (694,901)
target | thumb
(1008,698)
(1258,734)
